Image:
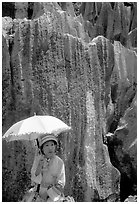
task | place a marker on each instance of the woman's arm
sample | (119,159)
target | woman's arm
(60,181)
(34,178)
(39,167)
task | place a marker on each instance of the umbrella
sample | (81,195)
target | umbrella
(32,127)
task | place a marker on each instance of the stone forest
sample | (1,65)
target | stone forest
(76,61)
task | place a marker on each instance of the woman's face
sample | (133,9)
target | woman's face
(49,149)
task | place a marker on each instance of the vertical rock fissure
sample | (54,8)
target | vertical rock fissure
(12,104)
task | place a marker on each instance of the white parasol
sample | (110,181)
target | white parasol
(35,126)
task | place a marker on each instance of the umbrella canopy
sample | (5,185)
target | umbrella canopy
(35,126)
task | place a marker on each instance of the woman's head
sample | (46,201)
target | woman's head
(48,145)
(48,148)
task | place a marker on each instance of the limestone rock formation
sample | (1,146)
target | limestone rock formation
(52,66)
(123,150)
(113,20)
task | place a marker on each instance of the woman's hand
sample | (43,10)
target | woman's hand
(43,195)
(37,152)
(46,185)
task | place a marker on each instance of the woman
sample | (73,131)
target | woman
(48,171)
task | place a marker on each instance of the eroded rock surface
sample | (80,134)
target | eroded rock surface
(51,66)
(113,20)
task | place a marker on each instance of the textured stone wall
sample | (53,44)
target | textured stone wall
(113,20)
(51,66)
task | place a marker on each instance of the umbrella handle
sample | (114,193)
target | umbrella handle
(38,143)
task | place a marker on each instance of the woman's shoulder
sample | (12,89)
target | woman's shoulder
(59,160)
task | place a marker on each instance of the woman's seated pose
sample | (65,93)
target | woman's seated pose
(48,171)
